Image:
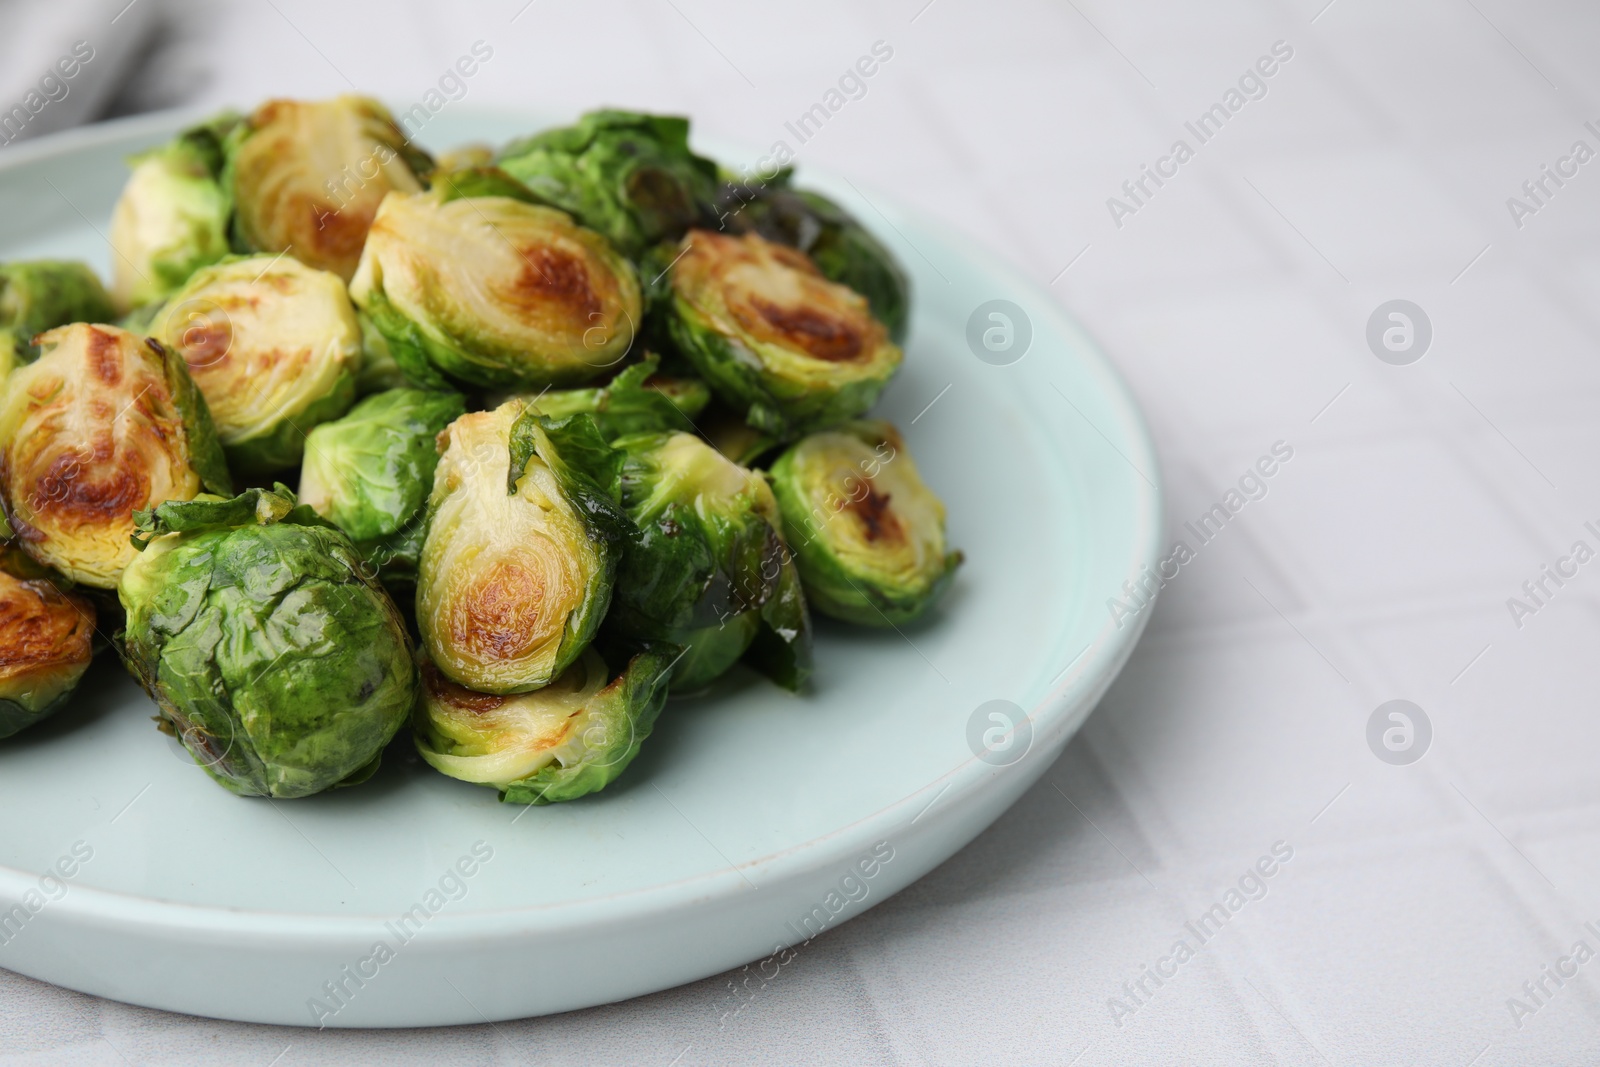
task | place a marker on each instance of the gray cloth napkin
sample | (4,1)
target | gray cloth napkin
(64,63)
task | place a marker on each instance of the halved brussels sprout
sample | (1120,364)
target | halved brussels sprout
(636,401)
(105,423)
(308,176)
(495,292)
(573,737)
(521,548)
(773,336)
(628,175)
(40,295)
(843,250)
(274,347)
(370,473)
(172,216)
(46,643)
(282,668)
(867,534)
(705,557)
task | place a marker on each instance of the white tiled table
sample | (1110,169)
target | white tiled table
(1418,499)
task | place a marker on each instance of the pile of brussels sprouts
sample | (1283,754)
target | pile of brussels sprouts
(573,423)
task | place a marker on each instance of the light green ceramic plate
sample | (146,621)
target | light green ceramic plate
(752,820)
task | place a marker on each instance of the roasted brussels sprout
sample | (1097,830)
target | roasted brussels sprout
(40,295)
(172,217)
(705,556)
(103,424)
(46,643)
(867,534)
(523,535)
(495,292)
(281,667)
(636,401)
(570,738)
(843,250)
(273,346)
(308,176)
(775,338)
(370,473)
(628,175)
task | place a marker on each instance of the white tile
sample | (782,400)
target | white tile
(1394,519)
(1357,212)
(1408,957)
(1232,743)
(1514,728)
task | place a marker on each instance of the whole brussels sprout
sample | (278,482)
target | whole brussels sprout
(40,295)
(172,216)
(775,338)
(494,292)
(105,423)
(308,176)
(370,473)
(573,737)
(523,535)
(279,664)
(867,534)
(46,643)
(628,175)
(637,400)
(705,557)
(274,347)
(843,250)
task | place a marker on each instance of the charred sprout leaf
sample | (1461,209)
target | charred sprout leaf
(46,643)
(495,292)
(512,586)
(843,250)
(782,646)
(636,401)
(103,424)
(630,176)
(705,556)
(776,339)
(280,666)
(568,739)
(274,347)
(308,176)
(172,217)
(370,473)
(42,294)
(867,534)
